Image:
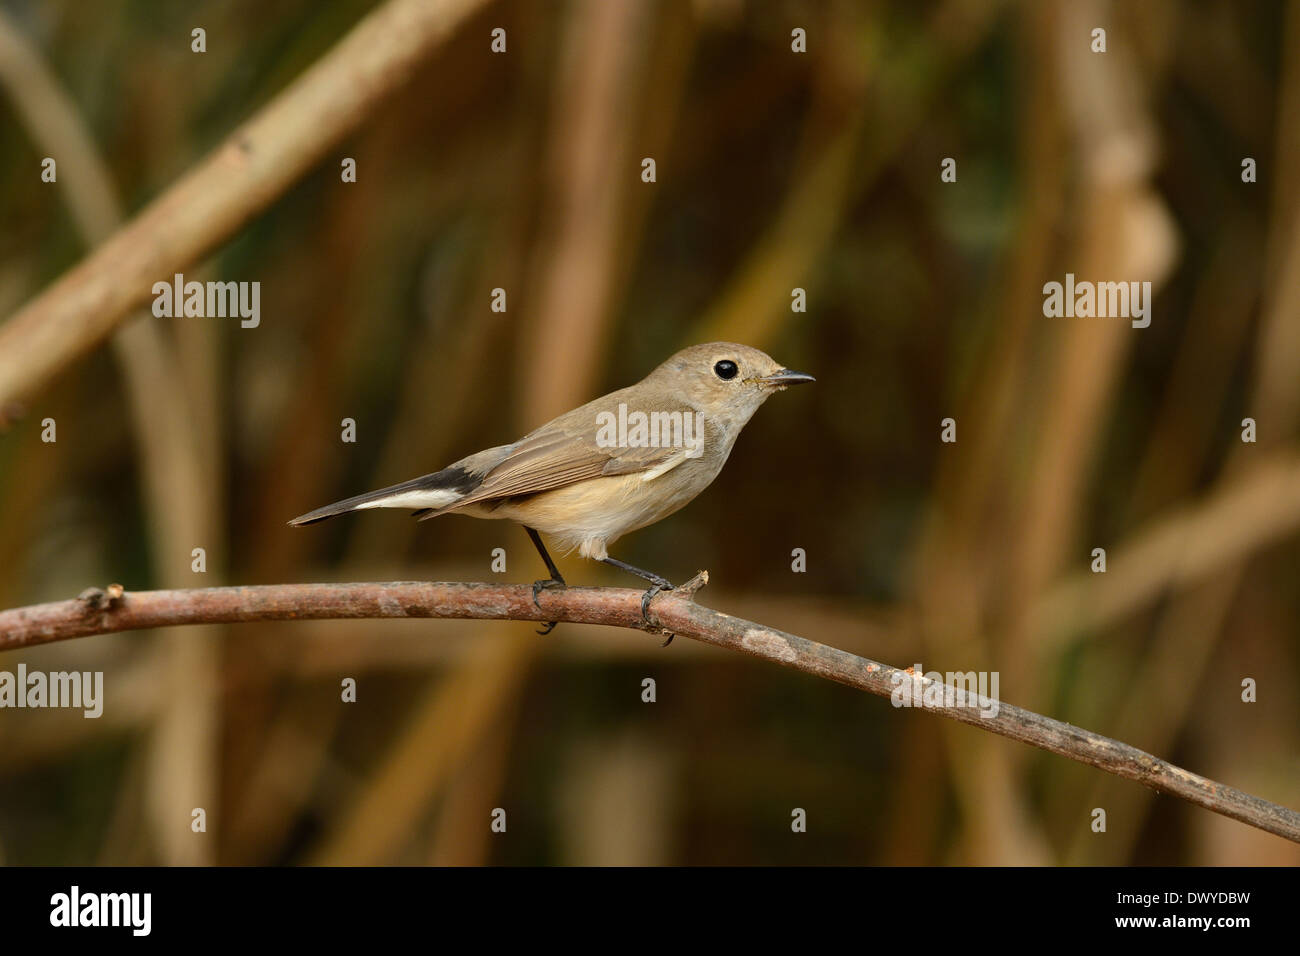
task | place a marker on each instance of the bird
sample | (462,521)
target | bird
(607,468)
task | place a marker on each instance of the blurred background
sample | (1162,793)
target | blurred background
(776,170)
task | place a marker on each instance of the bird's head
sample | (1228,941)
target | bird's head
(725,381)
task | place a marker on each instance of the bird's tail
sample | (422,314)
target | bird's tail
(437,491)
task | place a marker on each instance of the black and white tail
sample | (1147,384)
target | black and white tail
(425,494)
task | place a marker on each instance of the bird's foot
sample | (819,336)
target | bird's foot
(547,584)
(659,585)
(686,590)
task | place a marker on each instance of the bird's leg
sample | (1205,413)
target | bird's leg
(554,581)
(657,584)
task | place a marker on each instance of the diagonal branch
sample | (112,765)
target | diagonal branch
(256,164)
(102,612)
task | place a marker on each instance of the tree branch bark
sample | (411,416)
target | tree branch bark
(105,611)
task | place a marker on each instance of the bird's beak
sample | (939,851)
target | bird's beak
(785,377)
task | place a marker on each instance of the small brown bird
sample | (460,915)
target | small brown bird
(612,466)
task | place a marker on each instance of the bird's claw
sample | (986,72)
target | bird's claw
(645,605)
(649,596)
(546,584)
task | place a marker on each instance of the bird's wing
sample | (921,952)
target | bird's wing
(566,450)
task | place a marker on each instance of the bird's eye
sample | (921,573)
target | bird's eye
(726,369)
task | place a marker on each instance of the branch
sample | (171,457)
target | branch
(106,611)
(253,167)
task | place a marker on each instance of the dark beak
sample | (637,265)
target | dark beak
(785,377)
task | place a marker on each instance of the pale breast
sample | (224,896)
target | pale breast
(591,514)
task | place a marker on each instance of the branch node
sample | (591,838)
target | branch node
(688,589)
(99,599)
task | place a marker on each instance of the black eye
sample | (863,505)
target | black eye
(726,369)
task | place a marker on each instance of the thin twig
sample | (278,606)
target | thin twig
(105,611)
